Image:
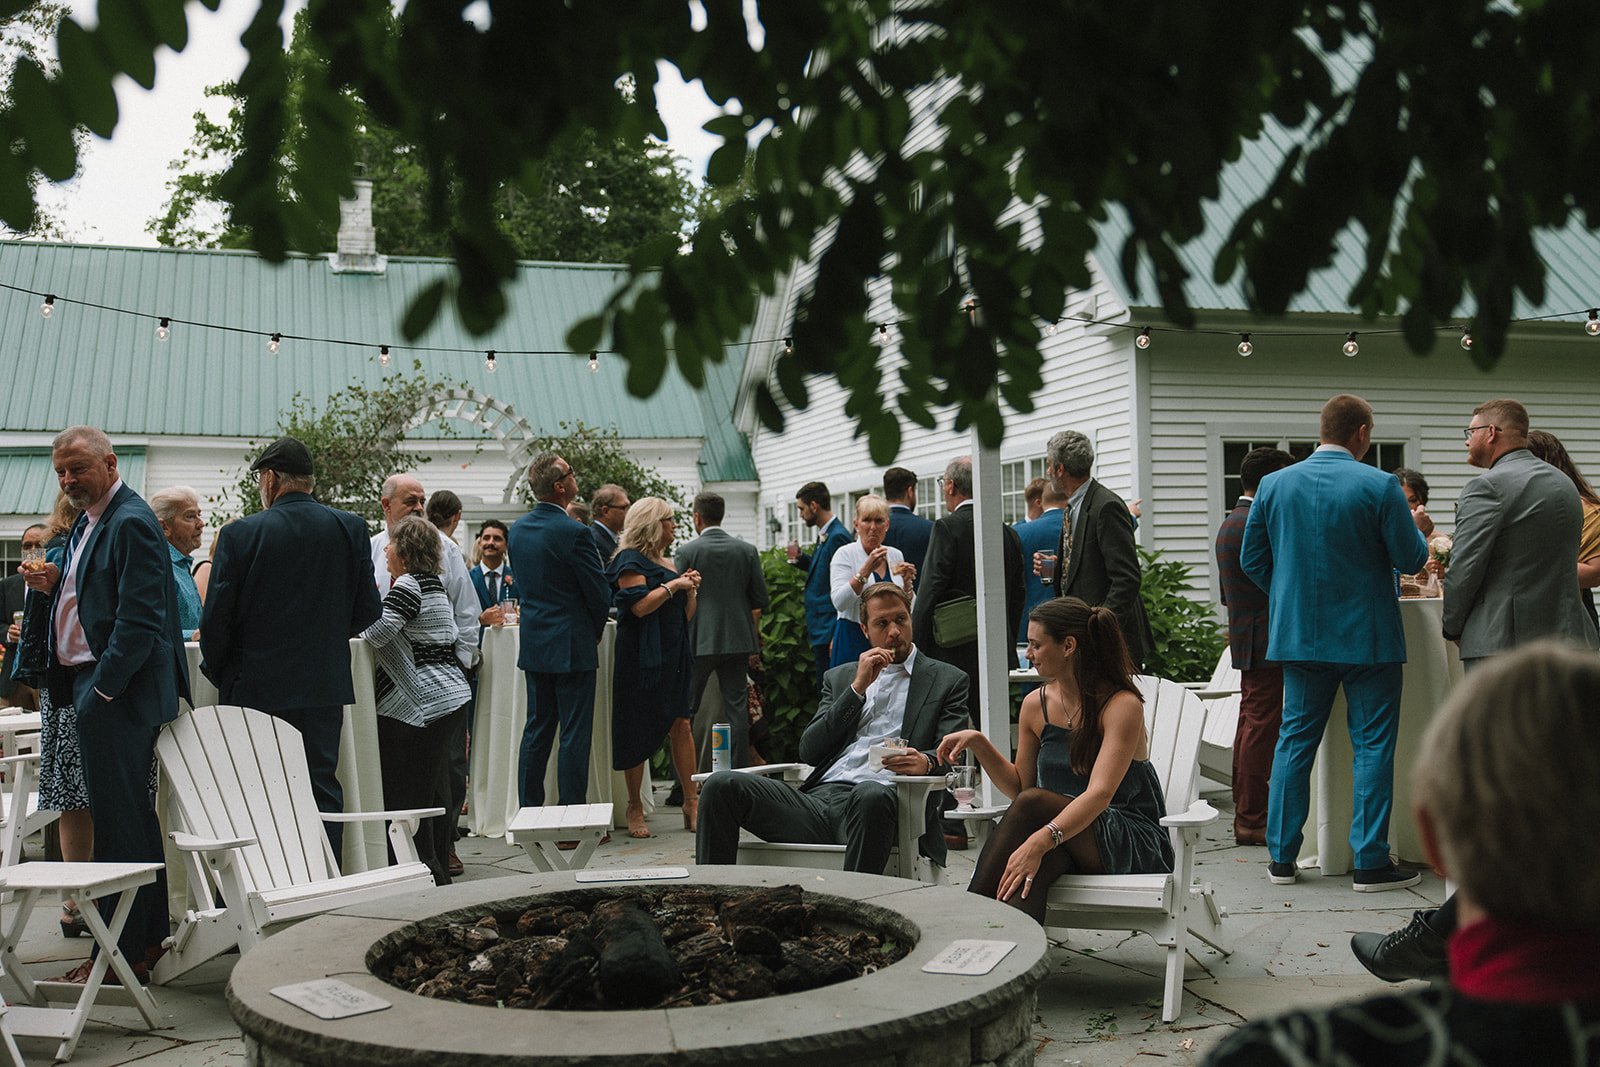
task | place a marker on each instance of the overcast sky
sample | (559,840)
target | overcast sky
(121,184)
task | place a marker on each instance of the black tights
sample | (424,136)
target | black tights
(1079,854)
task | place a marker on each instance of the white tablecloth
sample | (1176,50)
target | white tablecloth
(359,770)
(1433,667)
(502,712)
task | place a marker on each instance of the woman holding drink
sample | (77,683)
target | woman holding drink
(863,562)
(61,784)
(654,659)
(1085,799)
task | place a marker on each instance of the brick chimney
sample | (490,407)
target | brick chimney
(356,248)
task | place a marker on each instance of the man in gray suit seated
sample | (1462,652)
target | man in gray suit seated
(723,632)
(892,691)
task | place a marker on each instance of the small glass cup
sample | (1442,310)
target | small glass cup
(1047,568)
(889,746)
(33,559)
(510,612)
(963,784)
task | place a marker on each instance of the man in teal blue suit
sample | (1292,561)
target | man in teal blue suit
(565,598)
(1324,539)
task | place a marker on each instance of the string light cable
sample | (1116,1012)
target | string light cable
(1144,335)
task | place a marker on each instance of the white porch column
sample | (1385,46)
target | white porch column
(994,717)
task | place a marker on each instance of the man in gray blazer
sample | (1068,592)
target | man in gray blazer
(733,594)
(1510,579)
(892,691)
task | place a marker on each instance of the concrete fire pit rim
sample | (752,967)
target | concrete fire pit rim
(876,1008)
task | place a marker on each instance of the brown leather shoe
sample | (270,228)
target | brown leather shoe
(454,864)
(1249,837)
(955,842)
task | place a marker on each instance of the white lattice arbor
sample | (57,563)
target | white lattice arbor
(498,420)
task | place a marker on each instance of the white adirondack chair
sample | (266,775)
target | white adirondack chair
(20,816)
(1169,907)
(1221,695)
(911,794)
(244,816)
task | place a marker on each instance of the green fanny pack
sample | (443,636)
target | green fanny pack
(955,622)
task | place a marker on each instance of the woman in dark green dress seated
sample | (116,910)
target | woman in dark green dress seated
(654,661)
(1085,799)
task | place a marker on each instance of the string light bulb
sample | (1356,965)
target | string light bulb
(488,363)
(48,308)
(883,330)
(1350,345)
(383,355)
(1245,347)
(1466,338)
(1592,327)
(594,362)
(274,343)
(164,331)
(1143,340)
(1050,327)
(788,346)
(970,306)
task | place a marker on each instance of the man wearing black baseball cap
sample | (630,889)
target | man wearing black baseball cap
(291,585)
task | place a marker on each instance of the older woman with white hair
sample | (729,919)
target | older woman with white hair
(419,683)
(1505,797)
(177,508)
(863,562)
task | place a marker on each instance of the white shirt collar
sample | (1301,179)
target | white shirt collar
(1336,448)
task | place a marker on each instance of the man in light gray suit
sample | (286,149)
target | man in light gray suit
(733,594)
(1512,566)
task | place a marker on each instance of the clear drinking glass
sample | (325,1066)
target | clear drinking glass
(510,612)
(33,559)
(963,784)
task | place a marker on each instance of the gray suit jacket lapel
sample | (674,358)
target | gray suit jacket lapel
(917,698)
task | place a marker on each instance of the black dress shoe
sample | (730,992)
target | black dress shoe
(1415,951)
(675,798)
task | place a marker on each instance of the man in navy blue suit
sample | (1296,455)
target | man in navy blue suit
(291,585)
(491,575)
(116,655)
(610,506)
(1039,534)
(815,505)
(565,598)
(908,531)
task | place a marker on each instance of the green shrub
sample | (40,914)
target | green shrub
(789,691)
(1188,638)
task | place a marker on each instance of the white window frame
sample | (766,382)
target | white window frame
(1406,434)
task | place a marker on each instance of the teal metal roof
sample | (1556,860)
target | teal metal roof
(87,365)
(1571,255)
(28,480)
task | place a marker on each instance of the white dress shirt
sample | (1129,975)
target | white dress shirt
(883,718)
(72,644)
(463,597)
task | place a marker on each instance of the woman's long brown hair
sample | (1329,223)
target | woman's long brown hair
(1102,667)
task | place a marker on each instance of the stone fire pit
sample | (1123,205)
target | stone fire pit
(898,1015)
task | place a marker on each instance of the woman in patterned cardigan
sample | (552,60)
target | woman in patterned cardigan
(419,680)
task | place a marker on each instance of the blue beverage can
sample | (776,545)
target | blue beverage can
(721,747)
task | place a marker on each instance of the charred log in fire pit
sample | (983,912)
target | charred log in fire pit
(595,950)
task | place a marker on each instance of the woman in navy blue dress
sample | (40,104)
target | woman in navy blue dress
(1085,798)
(654,664)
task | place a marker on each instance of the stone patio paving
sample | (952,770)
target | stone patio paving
(1101,1005)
